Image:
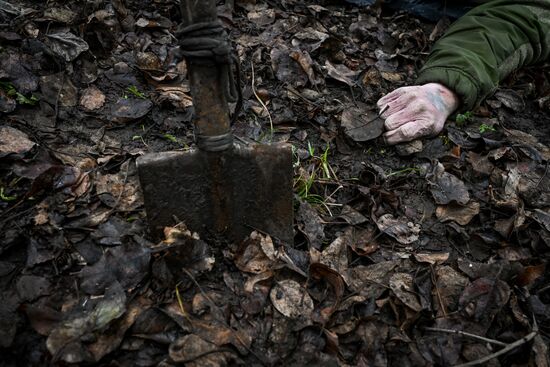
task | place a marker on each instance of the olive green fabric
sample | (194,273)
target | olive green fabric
(486,44)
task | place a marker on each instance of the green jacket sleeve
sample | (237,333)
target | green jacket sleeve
(486,44)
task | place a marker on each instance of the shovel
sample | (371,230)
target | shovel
(222,188)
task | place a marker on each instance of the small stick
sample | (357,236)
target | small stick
(463,333)
(508,348)
(260,100)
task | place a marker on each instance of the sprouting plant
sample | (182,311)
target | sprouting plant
(135,92)
(171,138)
(10,90)
(403,171)
(324,163)
(140,138)
(445,139)
(5,197)
(318,170)
(483,128)
(310,149)
(462,118)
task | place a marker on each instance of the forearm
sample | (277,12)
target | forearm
(485,45)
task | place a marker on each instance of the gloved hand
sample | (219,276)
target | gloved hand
(413,112)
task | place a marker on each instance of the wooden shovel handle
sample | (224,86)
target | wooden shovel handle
(211,110)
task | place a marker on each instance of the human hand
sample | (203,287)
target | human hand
(417,111)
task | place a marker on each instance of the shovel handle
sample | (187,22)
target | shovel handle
(205,77)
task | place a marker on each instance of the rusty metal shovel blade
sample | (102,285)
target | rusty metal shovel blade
(227,193)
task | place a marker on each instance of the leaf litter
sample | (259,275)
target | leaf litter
(393,246)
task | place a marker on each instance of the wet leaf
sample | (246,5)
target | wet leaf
(30,287)
(400,229)
(124,265)
(256,254)
(291,299)
(14,142)
(92,99)
(311,224)
(432,258)
(510,99)
(286,69)
(66,45)
(483,299)
(341,73)
(446,187)
(191,348)
(403,287)
(371,280)
(130,109)
(360,124)
(66,340)
(458,213)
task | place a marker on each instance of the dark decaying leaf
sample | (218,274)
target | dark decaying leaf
(402,230)
(458,213)
(65,342)
(192,348)
(256,254)
(510,99)
(322,272)
(359,124)
(291,299)
(311,224)
(130,109)
(14,142)
(67,45)
(446,187)
(30,287)
(483,299)
(402,286)
(287,70)
(126,264)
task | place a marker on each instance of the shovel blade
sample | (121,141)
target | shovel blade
(228,193)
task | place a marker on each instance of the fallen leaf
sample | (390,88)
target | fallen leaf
(291,299)
(510,99)
(446,187)
(458,213)
(67,340)
(341,73)
(360,124)
(432,258)
(130,109)
(400,229)
(256,254)
(13,141)
(402,286)
(92,98)
(66,45)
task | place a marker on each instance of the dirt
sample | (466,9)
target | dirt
(400,254)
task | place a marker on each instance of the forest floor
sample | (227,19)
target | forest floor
(430,253)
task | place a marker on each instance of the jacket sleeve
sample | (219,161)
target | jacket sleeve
(486,44)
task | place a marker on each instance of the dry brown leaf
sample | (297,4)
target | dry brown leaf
(458,213)
(432,258)
(291,299)
(13,141)
(402,286)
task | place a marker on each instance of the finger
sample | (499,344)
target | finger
(397,105)
(409,131)
(392,96)
(399,118)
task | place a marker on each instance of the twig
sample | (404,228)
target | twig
(463,333)
(439,298)
(260,100)
(504,350)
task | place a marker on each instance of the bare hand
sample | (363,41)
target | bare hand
(417,111)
